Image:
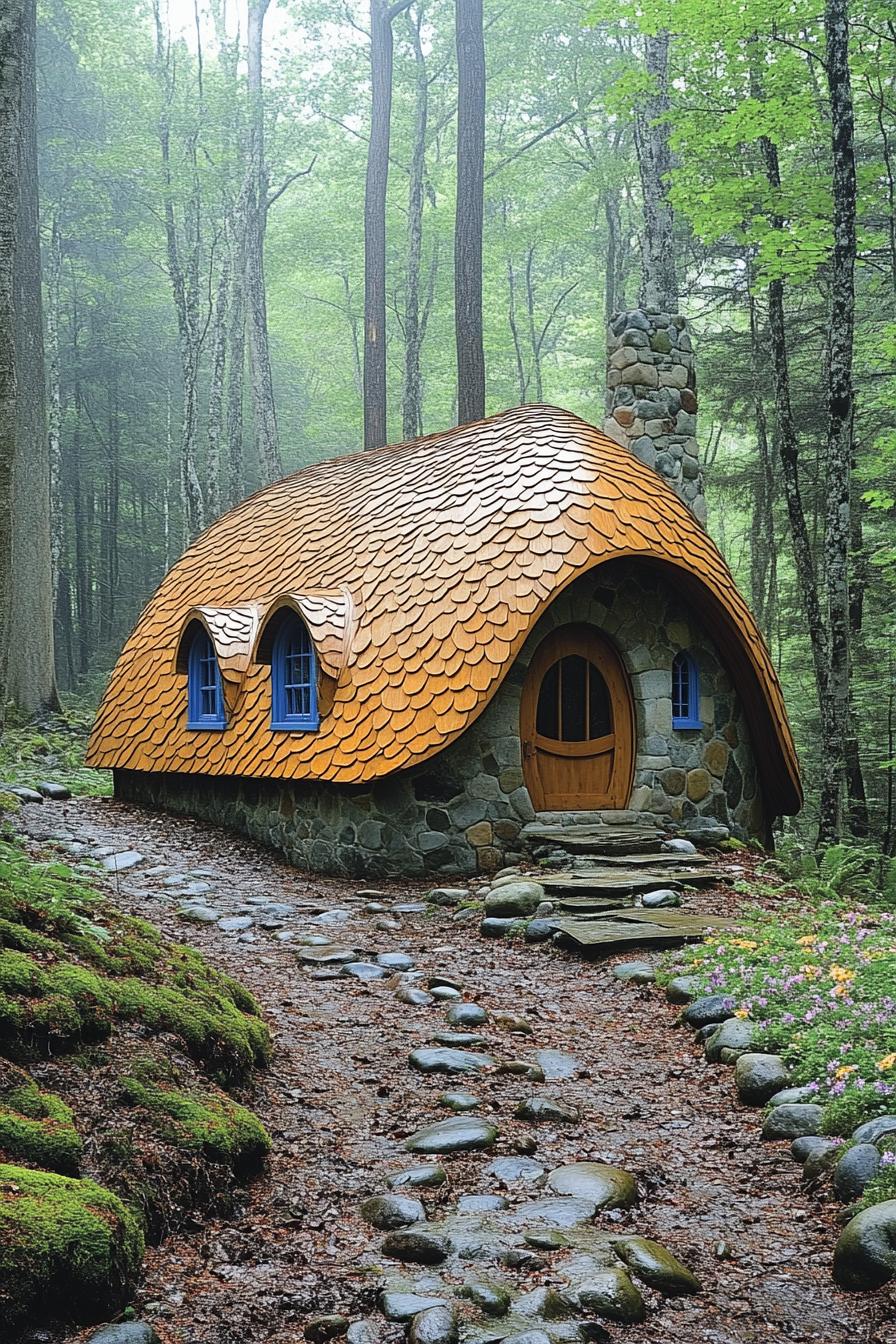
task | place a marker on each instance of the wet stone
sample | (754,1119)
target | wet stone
(539,930)
(683,989)
(444,982)
(492,1299)
(56,793)
(515,899)
(235,923)
(611,1293)
(560,1211)
(318,1329)
(636,972)
(403,1306)
(416,1245)
(865,1254)
(461,1039)
(545,1303)
(459,1101)
(711,1008)
(200,914)
(787,1095)
(447,895)
(196,889)
(332,917)
(410,907)
(414,996)
(327,954)
(517,1026)
(435,1325)
(758,1077)
(542,1110)
(457,1135)
(481,1204)
(515,1170)
(364,970)
(881,1127)
(22,792)
(362,1332)
(556,1065)
(128,858)
(125,1332)
(731,1040)
(609,1187)
(427,1176)
(492,927)
(528,1337)
(395,961)
(444,993)
(523,1068)
(806,1146)
(661,899)
(446,1060)
(792,1122)
(856,1168)
(466,1015)
(388,1212)
(656,1266)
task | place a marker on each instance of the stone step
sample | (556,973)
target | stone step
(651,861)
(626,881)
(599,839)
(614,931)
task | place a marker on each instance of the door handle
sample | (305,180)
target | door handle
(528,750)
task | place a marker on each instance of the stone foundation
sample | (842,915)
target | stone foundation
(462,812)
(651,399)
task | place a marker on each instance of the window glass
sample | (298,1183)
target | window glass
(205,697)
(294,677)
(573,702)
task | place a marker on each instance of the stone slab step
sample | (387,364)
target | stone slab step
(618,930)
(626,881)
(665,860)
(618,840)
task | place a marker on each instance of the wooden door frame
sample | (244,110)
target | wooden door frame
(589,642)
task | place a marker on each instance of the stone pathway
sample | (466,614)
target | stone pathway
(498,1128)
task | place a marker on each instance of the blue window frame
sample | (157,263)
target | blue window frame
(294,679)
(685,691)
(205,696)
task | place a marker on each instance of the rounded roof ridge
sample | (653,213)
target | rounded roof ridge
(450,547)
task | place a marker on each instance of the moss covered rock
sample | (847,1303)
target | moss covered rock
(67,1247)
(206,1122)
(36,1127)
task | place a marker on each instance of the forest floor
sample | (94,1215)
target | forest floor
(339,1099)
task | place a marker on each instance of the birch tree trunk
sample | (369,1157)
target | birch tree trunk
(411,408)
(264,415)
(659,286)
(12,75)
(31,662)
(216,392)
(375,185)
(469,210)
(236,363)
(840,418)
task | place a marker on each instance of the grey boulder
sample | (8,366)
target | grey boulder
(609,1187)
(793,1121)
(731,1040)
(435,1325)
(865,1255)
(637,972)
(661,899)
(878,1128)
(856,1168)
(758,1077)
(439,1059)
(708,1009)
(126,1332)
(388,1212)
(515,899)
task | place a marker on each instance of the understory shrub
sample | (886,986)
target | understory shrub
(818,980)
(36,1127)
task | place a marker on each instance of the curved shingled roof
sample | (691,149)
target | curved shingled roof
(446,551)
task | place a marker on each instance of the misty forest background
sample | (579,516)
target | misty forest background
(202,174)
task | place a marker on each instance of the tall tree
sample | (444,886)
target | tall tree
(264,413)
(12,75)
(382,15)
(659,286)
(411,411)
(31,676)
(469,210)
(841,324)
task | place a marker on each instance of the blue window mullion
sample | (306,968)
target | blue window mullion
(685,691)
(293,679)
(205,694)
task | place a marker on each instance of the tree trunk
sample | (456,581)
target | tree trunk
(31,663)
(411,410)
(469,210)
(613,264)
(377,180)
(216,392)
(12,76)
(236,361)
(659,286)
(535,340)
(264,415)
(840,418)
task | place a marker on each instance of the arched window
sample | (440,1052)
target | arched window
(205,697)
(294,678)
(685,691)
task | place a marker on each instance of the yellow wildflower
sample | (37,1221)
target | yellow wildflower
(744,943)
(842,974)
(887,1062)
(809,939)
(741,1012)
(811,971)
(845,1070)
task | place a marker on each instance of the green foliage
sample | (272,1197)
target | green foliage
(66,1246)
(208,1122)
(37,1127)
(839,872)
(882,1186)
(54,749)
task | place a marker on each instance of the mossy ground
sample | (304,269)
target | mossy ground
(108,1029)
(52,749)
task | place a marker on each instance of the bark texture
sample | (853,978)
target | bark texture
(31,673)
(411,399)
(469,210)
(376,184)
(659,286)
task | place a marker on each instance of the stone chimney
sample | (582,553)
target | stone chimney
(651,399)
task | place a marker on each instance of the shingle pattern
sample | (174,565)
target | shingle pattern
(419,568)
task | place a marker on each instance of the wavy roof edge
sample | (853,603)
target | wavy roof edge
(420,569)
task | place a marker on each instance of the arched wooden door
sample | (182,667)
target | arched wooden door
(577,723)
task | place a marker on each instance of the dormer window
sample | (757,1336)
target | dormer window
(205,696)
(685,691)
(294,705)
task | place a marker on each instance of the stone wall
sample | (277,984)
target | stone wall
(651,404)
(463,811)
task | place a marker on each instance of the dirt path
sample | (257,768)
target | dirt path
(340,1099)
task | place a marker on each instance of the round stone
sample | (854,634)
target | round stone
(612,1295)
(318,1329)
(435,1325)
(807,1146)
(558,1211)
(865,1255)
(459,1134)
(873,1130)
(793,1121)
(539,930)
(458,1038)
(395,961)
(426,1176)
(439,1059)
(731,1040)
(856,1168)
(792,1094)
(656,1266)
(465,1015)
(328,954)
(492,927)
(708,1009)
(640,972)
(481,1204)
(543,1110)
(758,1077)
(403,1306)
(459,1101)
(414,996)
(609,1187)
(364,970)
(388,1212)
(492,1299)
(126,1332)
(683,989)
(417,1245)
(515,899)
(515,1170)
(661,899)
